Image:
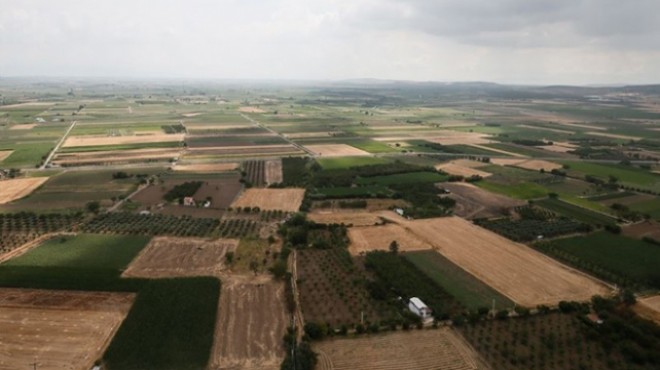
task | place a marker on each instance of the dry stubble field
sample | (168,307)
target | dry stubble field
(207,167)
(649,308)
(526,276)
(4,154)
(439,349)
(335,150)
(18,188)
(58,329)
(458,169)
(93,140)
(288,199)
(347,217)
(173,257)
(274,171)
(369,238)
(251,322)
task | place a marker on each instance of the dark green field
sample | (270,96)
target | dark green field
(575,212)
(616,258)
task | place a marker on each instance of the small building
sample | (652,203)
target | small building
(399,211)
(189,202)
(416,306)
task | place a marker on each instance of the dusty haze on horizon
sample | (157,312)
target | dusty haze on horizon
(508,41)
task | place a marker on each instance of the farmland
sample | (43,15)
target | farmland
(174,257)
(500,263)
(32,323)
(210,216)
(439,349)
(618,259)
(271,199)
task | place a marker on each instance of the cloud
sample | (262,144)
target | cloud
(521,41)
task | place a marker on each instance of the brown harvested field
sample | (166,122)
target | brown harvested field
(113,156)
(632,199)
(440,349)
(4,154)
(288,199)
(347,217)
(649,308)
(475,202)
(175,257)
(582,125)
(527,164)
(27,126)
(251,110)
(369,238)
(18,188)
(58,329)
(457,137)
(274,171)
(243,151)
(300,135)
(28,104)
(526,276)
(557,148)
(214,126)
(650,229)
(207,167)
(335,150)
(222,191)
(614,136)
(90,140)
(252,319)
(454,168)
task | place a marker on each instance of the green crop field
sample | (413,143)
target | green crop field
(170,326)
(650,207)
(615,258)
(575,212)
(348,162)
(404,178)
(84,251)
(466,288)
(372,146)
(632,176)
(360,191)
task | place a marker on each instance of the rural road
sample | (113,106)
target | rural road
(57,147)
(278,134)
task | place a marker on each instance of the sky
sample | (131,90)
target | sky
(577,42)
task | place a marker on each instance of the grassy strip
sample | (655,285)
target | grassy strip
(466,288)
(576,212)
(361,191)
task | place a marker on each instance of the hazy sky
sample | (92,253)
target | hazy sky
(515,41)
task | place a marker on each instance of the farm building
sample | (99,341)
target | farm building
(416,306)
(189,201)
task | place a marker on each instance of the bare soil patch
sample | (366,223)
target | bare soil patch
(221,191)
(527,164)
(58,329)
(475,202)
(369,238)
(300,135)
(336,150)
(4,154)
(175,257)
(347,217)
(18,188)
(114,156)
(441,349)
(498,151)
(207,167)
(640,230)
(454,168)
(288,199)
(252,319)
(274,171)
(90,140)
(559,148)
(526,276)
(649,308)
(27,126)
